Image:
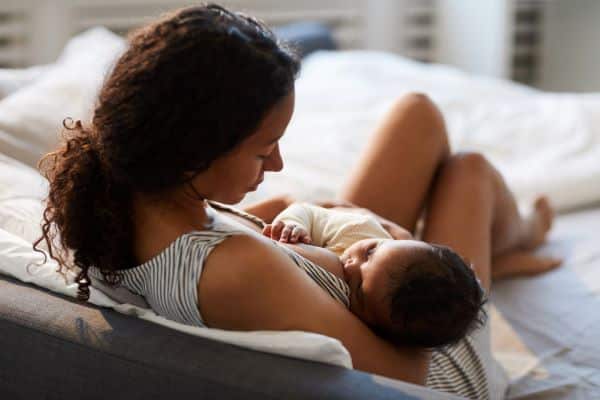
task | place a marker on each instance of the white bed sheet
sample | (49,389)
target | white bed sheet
(541,142)
(546,330)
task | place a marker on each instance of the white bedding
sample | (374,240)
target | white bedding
(541,142)
(545,329)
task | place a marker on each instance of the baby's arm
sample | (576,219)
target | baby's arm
(396,231)
(292,225)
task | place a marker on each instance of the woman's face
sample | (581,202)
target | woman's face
(233,175)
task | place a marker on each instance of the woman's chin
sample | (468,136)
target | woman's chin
(255,187)
(230,199)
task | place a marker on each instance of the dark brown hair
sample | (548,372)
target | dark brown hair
(189,88)
(435,300)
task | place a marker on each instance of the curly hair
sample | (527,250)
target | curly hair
(435,300)
(189,88)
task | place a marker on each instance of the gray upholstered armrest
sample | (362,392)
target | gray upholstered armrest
(55,348)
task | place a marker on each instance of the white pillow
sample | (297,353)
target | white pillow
(31,118)
(13,79)
(22,190)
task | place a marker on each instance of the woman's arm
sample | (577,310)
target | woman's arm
(268,209)
(248,284)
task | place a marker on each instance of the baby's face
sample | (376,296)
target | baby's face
(367,266)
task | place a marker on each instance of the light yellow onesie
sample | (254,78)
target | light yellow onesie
(332,229)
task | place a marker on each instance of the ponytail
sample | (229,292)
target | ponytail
(190,87)
(86,210)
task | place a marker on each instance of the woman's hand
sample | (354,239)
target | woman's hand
(286,232)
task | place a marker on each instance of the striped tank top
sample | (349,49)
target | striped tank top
(168,282)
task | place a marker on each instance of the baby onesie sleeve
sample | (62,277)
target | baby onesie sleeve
(332,229)
(309,217)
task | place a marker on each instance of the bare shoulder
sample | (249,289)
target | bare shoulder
(242,283)
(249,284)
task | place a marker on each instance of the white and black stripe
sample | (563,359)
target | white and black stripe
(336,287)
(169,284)
(458,370)
(169,281)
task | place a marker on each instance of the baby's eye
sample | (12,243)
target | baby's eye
(370,250)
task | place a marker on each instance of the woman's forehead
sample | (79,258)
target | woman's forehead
(273,125)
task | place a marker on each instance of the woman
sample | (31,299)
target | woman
(193,112)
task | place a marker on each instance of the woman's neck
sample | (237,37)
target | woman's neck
(159,222)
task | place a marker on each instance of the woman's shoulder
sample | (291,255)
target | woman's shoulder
(240,256)
(241,273)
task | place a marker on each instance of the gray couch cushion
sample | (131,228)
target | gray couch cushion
(56,348)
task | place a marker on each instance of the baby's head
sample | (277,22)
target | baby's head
(413,293)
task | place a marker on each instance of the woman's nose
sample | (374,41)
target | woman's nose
(274,162)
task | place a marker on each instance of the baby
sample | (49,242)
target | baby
(410,292)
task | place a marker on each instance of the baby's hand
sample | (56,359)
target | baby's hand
(286,232)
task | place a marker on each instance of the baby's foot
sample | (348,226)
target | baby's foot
(522,263)
(537,224)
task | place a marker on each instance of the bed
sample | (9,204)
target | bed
(544,329)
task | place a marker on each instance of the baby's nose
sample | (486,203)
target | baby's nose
(349,268)
(348,262)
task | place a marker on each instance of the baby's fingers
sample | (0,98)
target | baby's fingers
(276,229)
(267,230)
(285,233)
(299,234)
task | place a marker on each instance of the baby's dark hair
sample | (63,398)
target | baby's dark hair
(435,300)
